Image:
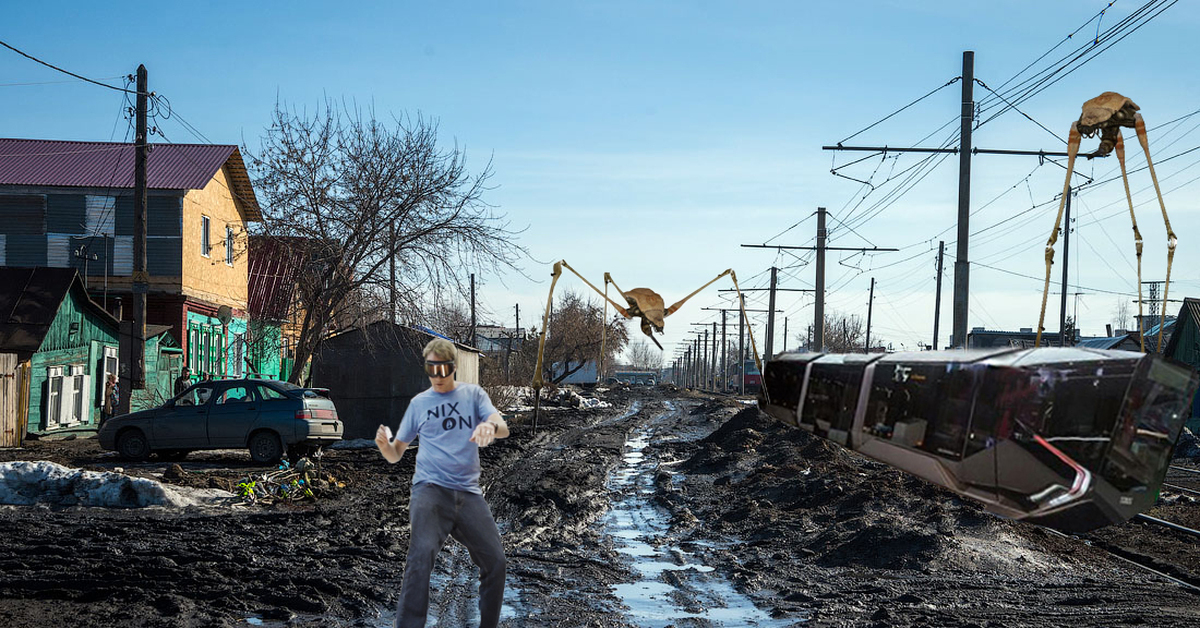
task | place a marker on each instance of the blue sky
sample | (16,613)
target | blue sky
(651,139)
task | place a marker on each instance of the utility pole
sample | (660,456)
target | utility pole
(785,334)
(819,308)
(473,339)
(704,367)
(1062,316)
(742,348)
(141,280)
(870,304)
(724,356)
(771,316)
(962,269)
(965,150)
(820,248)
(712,374)
(392,273)
(937,304)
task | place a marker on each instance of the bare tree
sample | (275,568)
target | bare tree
(844,334)
(364,195)
(644,356)
(1121,314)
(573,339)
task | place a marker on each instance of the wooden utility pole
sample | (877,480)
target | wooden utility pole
(870,304)
(392,272)
(937,303)
(141,279)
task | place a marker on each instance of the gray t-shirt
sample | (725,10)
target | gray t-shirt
(445,421)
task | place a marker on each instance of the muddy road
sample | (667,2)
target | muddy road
(665,509)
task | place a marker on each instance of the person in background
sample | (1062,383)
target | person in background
(183,381)
(453,422)
(112,398)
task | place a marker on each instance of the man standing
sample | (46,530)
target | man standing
(453,421)
(183,381)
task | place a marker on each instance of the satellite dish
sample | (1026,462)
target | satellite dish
(224,314)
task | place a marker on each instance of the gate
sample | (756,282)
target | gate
(12,430)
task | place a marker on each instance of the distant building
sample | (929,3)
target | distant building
(980,338)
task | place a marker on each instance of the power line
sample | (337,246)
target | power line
(67,72)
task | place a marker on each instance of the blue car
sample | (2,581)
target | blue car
(268,417)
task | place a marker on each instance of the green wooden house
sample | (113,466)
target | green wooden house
(68,345)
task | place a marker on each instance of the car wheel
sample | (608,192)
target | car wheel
(173,454)
(132,445)
(265,447)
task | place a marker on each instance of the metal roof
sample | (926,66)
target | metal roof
(1189,313)
(275,263)
(110,165)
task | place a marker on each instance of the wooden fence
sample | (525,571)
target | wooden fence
(12,385)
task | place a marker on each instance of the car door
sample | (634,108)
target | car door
(183,424)
(233,412)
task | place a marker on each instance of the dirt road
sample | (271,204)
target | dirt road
(666,509)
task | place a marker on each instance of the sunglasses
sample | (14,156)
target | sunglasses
(438,369)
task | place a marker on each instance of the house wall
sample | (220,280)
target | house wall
(211,278)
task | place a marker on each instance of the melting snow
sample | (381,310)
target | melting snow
(27,483)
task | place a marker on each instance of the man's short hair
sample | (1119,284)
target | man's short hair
(441,349)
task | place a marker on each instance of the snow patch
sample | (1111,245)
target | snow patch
(26,483)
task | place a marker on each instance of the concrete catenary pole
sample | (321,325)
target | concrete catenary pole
(937,303)
(771,316)
(819,306)
(962,268)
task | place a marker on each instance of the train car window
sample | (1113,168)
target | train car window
(832,397)
(903,402)
(1083,411)
(1152,414)
(1007,398)
(948,432)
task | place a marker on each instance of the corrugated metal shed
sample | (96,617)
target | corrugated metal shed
(110,165)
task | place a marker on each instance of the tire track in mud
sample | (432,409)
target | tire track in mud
(670,585)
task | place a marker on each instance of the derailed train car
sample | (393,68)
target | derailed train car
(1070,438)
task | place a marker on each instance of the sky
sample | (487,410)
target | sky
(651,140)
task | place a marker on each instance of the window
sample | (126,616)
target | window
(205,244)
(236,394)
(266,392)
(54,399)
(66,396)
(229,246)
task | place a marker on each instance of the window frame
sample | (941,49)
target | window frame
(205,238)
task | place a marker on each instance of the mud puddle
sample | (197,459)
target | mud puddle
(671,584)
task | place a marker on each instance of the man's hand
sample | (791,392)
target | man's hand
(383,438)
(484,434)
